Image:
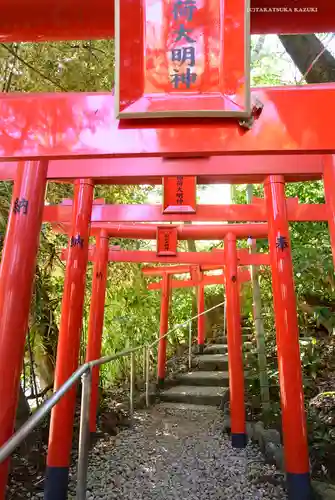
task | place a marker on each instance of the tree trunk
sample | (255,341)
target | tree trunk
(23,409)
(45,333)
(315,63)
(258,47)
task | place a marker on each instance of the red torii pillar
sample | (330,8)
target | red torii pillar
(61,426)
(164,325)
(16,284)
(201,317)
(329,187)
(234,339)
(291,388)
(96,319)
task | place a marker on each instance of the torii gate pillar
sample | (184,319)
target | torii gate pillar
(201,319)
(164,325)
(291,389)
(16,285)
(96,320)
(329,187)
(234,338)
(62,415)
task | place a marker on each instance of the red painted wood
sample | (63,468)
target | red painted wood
(159,271)
(262,258)
(234,339)
(202,259)
(205,213)
(157,77)
(292,19)
(167,240)
(243,276)
(209,170)
(329,187)
(184,232)
(16,286)
(201,309)
(179,195)
(163,328)
(82,125)
(96,320)
(287,331)
(37,20)
(62,415)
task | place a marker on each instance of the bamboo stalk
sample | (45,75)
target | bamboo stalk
(259,325)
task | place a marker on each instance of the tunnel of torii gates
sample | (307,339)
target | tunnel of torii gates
(83,218)
(233,135)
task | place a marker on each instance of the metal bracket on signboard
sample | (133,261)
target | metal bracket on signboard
(256,110)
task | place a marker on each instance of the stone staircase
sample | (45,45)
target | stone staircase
(208,383)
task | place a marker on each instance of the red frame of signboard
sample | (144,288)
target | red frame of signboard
(167,241)
(179,195)
(182,58)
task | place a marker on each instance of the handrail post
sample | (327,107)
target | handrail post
(144,362)
(190,345)
(132,380)
(84,435)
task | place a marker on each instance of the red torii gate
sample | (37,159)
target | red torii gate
(230,258)
(72,131)
(100,255)
(196,232)
(80,208)
(234,279)
(256,212)
(199,280)
(243,276)
(51,20)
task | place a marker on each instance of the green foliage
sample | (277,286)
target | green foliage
(132,313)
(314,282)
(49,67)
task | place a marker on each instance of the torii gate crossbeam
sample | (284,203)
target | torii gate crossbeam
(62,112)
(38,20)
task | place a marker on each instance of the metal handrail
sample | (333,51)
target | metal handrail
(85,373)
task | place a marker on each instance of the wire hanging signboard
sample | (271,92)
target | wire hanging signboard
(182,58)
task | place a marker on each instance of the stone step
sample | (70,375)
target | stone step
(216,349)
(223,340)
(185,407)
(210,362)
(198,395)
(212,378)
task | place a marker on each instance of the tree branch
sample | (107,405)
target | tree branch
(32,68)
(314,61)
(42,393)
